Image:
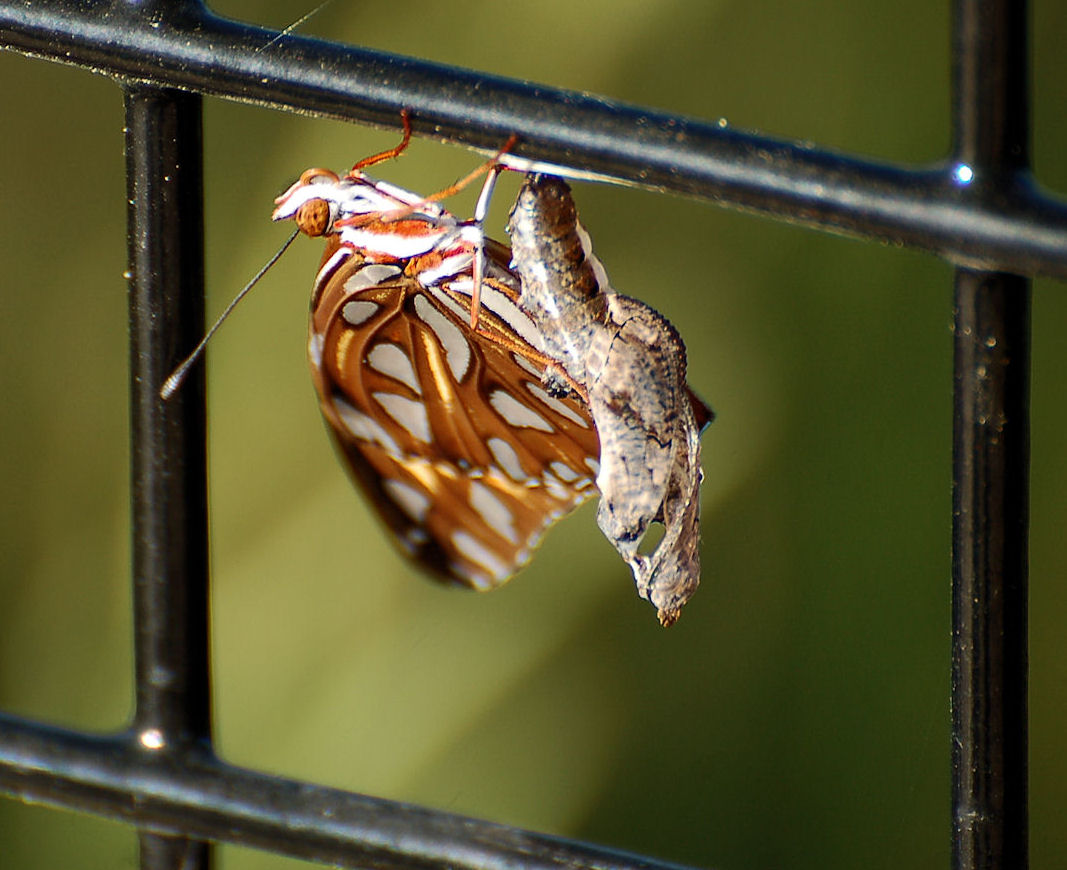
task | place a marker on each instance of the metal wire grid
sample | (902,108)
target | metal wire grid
(162,776)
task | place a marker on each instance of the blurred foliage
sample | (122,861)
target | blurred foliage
(798,714)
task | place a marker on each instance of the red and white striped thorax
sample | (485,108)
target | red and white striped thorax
(383,222)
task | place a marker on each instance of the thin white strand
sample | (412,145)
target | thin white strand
(281,35)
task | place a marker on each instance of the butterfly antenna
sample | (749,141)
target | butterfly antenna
(171,384)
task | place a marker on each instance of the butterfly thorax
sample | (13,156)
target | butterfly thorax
(383,222)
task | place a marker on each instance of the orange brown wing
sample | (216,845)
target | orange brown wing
(449,431)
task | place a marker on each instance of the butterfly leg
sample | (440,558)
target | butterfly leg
(481,210)
(390,153)
(491,166)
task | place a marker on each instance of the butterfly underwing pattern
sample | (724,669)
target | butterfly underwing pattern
(447,427)
(631,363)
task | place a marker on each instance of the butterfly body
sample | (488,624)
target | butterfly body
(446,427)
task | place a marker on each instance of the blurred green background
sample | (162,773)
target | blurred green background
(796,717)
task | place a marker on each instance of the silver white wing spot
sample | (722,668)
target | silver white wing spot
(517,414)
(457,350)
(409,413)
(462,314)
(359,311)
(416,536)
(523,363)
(556,489)
(363,428)
(414,503)
(370,275)
(507,459)
(478,553)
(315,344)
(476,579)
(563,471)
(390,359)
(496,514)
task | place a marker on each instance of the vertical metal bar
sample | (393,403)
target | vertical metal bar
(168,453)
(989,660)
(991,459)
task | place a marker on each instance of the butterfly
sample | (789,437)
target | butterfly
(430,377)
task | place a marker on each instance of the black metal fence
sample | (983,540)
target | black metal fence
(979,210)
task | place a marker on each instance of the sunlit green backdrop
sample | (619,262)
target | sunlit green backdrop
(796,717)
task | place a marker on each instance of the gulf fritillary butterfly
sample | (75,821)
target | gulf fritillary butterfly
(631,364)
(446,426)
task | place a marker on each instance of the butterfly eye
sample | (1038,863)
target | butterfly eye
(317,176)
(314,217)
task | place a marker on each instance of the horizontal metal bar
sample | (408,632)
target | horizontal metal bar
(1003,223)
(203,798)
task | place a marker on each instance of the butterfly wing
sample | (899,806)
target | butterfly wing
(449,431)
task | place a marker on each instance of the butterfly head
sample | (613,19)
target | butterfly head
(313,202)
(322,202)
